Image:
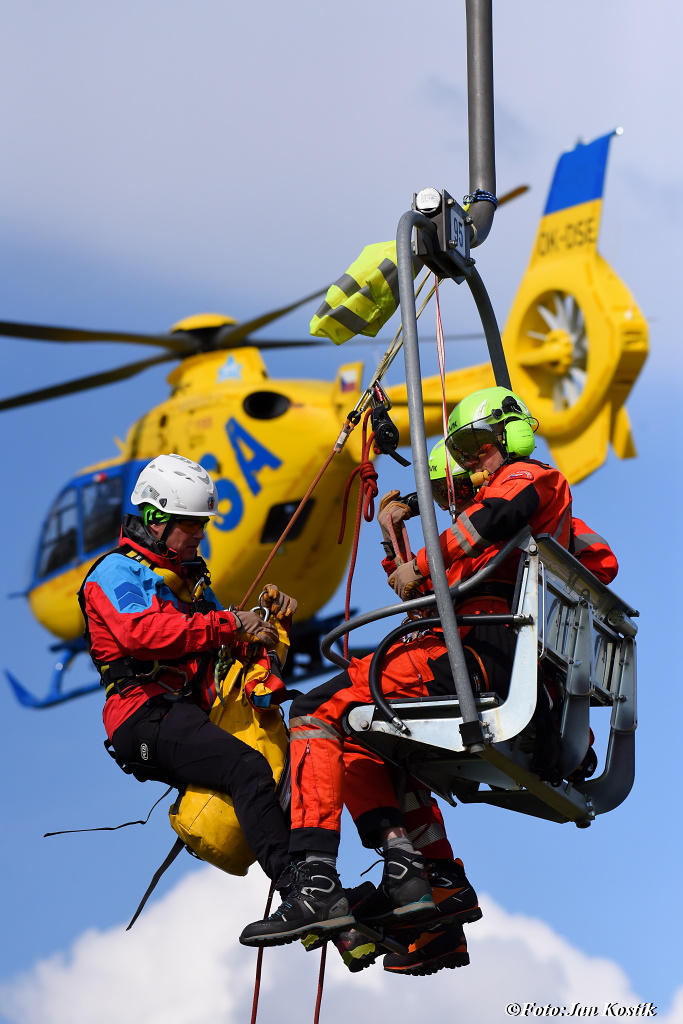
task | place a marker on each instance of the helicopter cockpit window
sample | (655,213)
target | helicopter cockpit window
(59,545)
(102,501)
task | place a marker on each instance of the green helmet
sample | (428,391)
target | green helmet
(495,417)
(462,485)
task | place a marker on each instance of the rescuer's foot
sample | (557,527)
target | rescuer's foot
(358,898)
(431,953)
(357,951)
(454,896)
(404,895)
(316,903)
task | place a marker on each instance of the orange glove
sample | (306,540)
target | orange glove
(253,629)
(406,579)
(280,604)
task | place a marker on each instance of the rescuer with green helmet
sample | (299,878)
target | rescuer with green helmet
(463,490)
(494,420)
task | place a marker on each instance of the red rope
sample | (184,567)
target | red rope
(259,964)
(367,492)
(321,980)
(441,355)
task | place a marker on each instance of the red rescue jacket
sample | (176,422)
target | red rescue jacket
(593,551)
(131,612)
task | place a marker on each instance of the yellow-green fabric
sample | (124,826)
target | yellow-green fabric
(363,298)
(204,819)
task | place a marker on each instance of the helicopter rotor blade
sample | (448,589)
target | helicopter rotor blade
(513,194)
(93,380)
(229,336)
(178,342)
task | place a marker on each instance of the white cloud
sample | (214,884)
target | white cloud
(182,964)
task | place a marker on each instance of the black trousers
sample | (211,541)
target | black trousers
(181,747)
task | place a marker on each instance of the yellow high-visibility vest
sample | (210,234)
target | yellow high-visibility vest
(363,298)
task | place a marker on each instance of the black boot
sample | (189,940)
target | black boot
(404,894)
(316,903)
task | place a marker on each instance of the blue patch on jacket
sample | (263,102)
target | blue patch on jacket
(127,594)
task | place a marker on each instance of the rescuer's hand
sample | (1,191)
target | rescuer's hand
(391,512)
(253,629)
(406,579)
(281,605)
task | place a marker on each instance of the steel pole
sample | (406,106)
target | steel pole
(471,726)
(480,117)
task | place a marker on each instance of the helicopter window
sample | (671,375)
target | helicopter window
(60,537)
(279,516)
(266,405)
(102,500)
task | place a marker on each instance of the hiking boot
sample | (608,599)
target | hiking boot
(454,896)
(357,951)
(358,897)
(316,904)
(404,895)
(431,953)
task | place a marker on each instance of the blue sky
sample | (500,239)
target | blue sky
(163,159)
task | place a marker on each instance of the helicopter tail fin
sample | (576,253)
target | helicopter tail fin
(575,340)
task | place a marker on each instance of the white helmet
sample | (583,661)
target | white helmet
(177,486)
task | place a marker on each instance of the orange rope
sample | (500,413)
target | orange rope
(349,425)
(287,528)
(367,492)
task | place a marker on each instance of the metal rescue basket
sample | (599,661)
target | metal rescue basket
(562,616)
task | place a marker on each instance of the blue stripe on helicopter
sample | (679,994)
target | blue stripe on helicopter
(579,175)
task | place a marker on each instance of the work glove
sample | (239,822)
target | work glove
(406,579)
(279,604)
(391,511)
(252,629)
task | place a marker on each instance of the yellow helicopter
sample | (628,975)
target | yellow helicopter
(575,342)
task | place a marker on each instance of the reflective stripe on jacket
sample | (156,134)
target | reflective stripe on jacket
(593,551)
(518,494)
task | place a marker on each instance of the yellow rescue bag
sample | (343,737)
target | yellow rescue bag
(204,819)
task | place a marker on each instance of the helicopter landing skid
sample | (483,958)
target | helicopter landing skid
(55,695)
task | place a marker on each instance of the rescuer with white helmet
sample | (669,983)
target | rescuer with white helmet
(154,630)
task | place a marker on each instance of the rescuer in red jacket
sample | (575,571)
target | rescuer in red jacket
(491,431)
(154,629)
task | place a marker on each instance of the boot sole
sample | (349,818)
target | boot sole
(459,917)
(400,916)
(326,929)
(440,963)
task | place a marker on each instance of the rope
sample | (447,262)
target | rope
(441,355)
(321,981)
(287,528)
(259,963)
(367,492)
